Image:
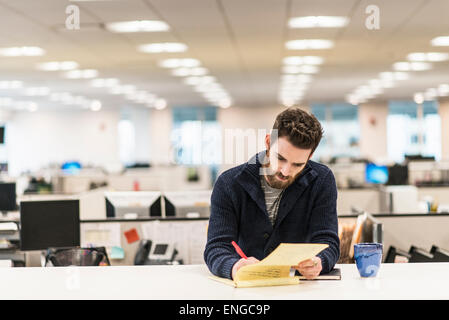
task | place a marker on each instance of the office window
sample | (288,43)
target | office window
(341,130)
(413,130)
(196,136)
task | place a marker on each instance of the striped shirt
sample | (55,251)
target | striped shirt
(272,199)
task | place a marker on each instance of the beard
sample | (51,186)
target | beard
(278,181)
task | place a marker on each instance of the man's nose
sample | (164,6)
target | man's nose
(285,169)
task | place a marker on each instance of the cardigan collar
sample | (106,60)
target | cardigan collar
(249,179)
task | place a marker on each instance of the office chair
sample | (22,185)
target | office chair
(63,257)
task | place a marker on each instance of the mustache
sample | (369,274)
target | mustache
(282,176)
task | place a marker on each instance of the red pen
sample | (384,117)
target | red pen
(239,251)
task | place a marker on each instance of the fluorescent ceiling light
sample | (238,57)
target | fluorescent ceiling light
(318,22)
(428,56)
(122,89)
(95,105)
(296,78)
(300,69)
(160,104)
(58,66)
(179,63)
(443,89)
(81,74)
(138,26)
(184,72)
(298,60)
(37,91)
(418,98)
(22,51)
(162,47)
(225,103)
(32,106)
(5,102)
(412,66)
(194,81)
(309,44)
(440,41)
(14,84)
(104,82)
(390,76)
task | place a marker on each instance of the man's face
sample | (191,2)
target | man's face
(285,162)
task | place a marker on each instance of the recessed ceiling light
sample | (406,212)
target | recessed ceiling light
(4,102)
(160,104)
(309,44)
(412,66)
(14,84)
(179,63)
(440,41)
(305,78)
(104,82)
(81,74)
(37,91)
(428,56)
(95,105)
(418,98)
(443,89)
(318,22)
(300,69)
(138,26)
(194,81)
(22,51)
(298,60)
(122,89)
(225,103)
(162,47)
(390,76)
(184,72)
(58,66)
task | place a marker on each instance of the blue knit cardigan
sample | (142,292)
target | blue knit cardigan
(307,214)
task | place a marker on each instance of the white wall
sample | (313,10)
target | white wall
(444,114)
(39,138)
(373,130)
(245,118)
(160,130)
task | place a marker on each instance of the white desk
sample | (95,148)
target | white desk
(191,282)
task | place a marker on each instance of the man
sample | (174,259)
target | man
(280,195)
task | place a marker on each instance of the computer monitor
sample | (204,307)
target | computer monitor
(71,167)
(187,204)
(133,204)
(8,200)
(397,175)
(49,224)
(372,230)
(376,174)
(2,135)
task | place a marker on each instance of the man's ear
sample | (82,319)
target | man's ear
(267,141)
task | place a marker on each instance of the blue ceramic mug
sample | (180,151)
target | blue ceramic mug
(368,257)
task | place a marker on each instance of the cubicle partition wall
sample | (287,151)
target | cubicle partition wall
(122,237)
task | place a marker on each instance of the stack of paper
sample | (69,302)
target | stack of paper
(274,270)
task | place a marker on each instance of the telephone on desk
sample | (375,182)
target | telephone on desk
(159,254)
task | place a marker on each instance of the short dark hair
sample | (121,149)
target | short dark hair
(301,128)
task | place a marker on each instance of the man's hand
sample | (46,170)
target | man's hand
(310,268)
(242,262)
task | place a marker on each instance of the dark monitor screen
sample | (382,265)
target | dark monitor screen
(2,135)
(49,224)
(8,197)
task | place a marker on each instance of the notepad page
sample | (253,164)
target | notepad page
(290,254)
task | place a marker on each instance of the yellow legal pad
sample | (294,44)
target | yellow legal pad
(274,270)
